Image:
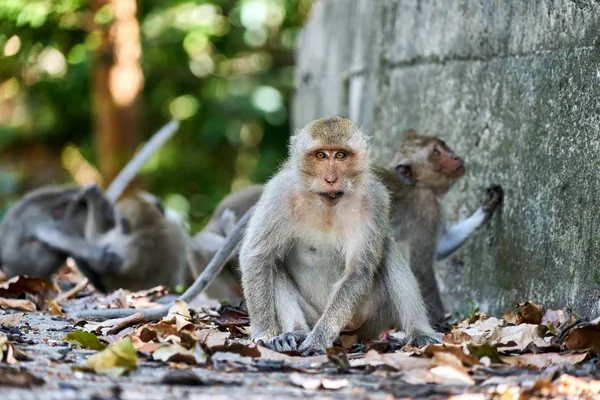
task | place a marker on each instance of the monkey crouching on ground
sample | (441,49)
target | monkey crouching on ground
(421,173)
(318,257)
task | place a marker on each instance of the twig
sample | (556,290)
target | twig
(73,291)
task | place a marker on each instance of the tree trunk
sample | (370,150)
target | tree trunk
(117,84)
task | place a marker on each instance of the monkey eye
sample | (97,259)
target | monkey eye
(340,155)
(321,155)
(436,151)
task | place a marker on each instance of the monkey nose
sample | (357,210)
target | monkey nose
(331,179)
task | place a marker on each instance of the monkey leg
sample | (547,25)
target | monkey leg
(292,312)
(399,303)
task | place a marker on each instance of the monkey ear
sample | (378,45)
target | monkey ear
(405,174)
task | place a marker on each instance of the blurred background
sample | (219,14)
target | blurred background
(84,83)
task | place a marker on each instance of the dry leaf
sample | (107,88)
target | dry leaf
(271,355)
(397,361)
(15,286)
(442,359)
(177,353)
(17,304)
(544,360)
(10,319)
(117,359)
(456,337)
(511,338)
(531,313)
(457,351)
(211,337)
(584,337)
(9,353)
(54,307)
(447,375)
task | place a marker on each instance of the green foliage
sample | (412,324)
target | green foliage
(86,340)
(223,67)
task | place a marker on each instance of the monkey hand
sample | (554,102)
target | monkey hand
(109,261)
(288,341)
(493,199)
(313,344)
(228,221)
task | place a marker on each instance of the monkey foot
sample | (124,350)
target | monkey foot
(288,341)
(423,340)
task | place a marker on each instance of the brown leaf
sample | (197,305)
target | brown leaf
(232,316)
(467,359)
(442,359)
(246,350)
(9,353)
(584,337)
(447,375)
(177,353)
(457,337)
(337,356)
(54,308)
(271,355)
(531,313)
(20,378)
(485,350)
(516,338)
(211,337)
(15,286)
(544,360)
(17,304)
(398,361)
(10,319)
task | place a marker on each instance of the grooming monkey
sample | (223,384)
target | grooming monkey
(143,249)
(52,223)
(318,256)
(422,171)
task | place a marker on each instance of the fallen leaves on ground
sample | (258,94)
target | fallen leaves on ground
(115,360)
(9,353)
(481,354)
(17,304)
(86,340)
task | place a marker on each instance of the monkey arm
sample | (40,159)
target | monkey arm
(97,257)
(458,234)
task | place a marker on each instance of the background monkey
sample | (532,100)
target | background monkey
(422,171)
(144,248)
(206,243)
(62,212)
(318,256)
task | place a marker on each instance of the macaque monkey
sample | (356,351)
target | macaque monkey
(420,174)
(62,212)
(143,249)
(205,244)
(318,256)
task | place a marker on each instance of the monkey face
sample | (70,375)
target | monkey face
(427,161)
(330,171)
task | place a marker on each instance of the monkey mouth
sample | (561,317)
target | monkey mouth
(331,195)
(330,198)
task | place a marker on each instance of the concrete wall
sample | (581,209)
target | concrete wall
(514,87)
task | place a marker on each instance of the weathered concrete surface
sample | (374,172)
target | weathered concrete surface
(514,87)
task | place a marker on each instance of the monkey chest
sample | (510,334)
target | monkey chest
(315,268)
